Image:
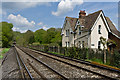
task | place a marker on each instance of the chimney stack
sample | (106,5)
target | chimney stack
(82,13)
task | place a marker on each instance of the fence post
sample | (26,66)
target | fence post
(58,49)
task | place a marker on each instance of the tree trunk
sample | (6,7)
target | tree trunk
(104,56)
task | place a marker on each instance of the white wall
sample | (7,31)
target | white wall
(95,36)
(81,38)
(69,38)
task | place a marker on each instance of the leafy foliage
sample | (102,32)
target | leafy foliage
(40,36)
(7,33)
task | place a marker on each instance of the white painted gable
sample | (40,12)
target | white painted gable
(95,36)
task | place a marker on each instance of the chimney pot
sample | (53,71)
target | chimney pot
(82,13)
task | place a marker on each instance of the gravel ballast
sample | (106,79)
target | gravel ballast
(10,68)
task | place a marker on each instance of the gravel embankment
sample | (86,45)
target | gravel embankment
(0,66)
(10,69)
(46,72)
(95,69)
(64,69)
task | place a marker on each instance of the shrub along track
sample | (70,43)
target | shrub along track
(35,69)
(73,68)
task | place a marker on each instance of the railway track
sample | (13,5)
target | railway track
(25,73)
(36,69)
(102,73)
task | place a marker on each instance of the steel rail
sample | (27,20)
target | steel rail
(31,78)
(77,66)
(81,61)
(64,78)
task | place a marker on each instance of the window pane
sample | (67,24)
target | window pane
(79,30)
(79,44)
(99,45)
(99,29)
(66,44)
(68,32)
(83,44)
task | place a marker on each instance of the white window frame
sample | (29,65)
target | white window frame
(68,44)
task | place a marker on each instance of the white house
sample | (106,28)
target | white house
(86,30)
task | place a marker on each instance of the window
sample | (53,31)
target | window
(79,44)
(79,30)
(99,29)
(66,44)
(83,44)
(99,44)
(78,22)
(66,32)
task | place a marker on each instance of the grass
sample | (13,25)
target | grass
(3,52)
(55,53)
(96,60)
(99,61)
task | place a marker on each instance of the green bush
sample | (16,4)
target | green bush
(3,51)
(85,54)
(116,59)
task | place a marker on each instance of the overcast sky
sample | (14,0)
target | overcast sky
(37,15)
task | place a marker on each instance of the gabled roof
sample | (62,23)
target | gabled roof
(112,27)
(72,22)
(86,21)
(89,20)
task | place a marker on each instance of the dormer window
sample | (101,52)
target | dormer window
(67,32)
(99,29)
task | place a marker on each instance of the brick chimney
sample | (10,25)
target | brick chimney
(82,13)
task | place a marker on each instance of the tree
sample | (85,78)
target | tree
(104,42)
(7,33)
(50,35)
(111,44)
(29,37)
(19,38)
(40,36)
(58,38)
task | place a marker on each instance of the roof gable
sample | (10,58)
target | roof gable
(72,22)
(112,27)
(89,21)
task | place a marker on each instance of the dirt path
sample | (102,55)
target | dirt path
(0,66)
(10,67)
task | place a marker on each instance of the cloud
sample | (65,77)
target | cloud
(40,23)
(65,6)
(20,21)
(17,6)
(21,5)
(44,27)
(30,0)
(18,29)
